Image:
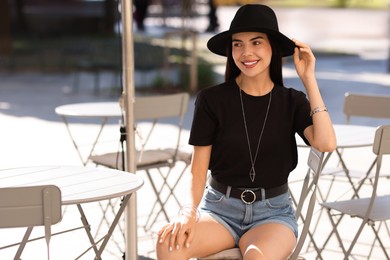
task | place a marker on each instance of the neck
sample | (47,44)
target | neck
(254,86)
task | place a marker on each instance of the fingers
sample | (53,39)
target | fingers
(175,234)
(302,47)
(173,243)
(300,44)
(189,239)
(164,232)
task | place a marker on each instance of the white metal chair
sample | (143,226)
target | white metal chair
(29,207)
(154,109)
(366,105)
(356,106)
(369,209)
(304,209)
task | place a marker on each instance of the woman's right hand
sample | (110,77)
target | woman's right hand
(179,233)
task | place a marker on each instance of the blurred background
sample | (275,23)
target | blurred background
(56,52)
(84,36)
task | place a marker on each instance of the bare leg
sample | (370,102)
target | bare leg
(210,237)
(268,241)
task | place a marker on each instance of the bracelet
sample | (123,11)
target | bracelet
(318,109)
(189,210)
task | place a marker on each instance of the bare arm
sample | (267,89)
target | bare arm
(321,134)
(181,231)
(199,168)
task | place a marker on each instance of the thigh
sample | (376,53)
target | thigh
(210,237)
(268,241)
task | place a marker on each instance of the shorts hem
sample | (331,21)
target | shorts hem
(295,232)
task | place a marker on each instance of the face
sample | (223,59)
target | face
(251,53)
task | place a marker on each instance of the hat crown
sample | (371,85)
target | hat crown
(254,16)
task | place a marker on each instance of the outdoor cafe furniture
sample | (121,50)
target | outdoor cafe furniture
(81,185)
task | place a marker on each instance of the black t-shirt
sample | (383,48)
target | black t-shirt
(218,121)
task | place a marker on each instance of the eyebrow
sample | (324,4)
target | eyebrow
(255,38)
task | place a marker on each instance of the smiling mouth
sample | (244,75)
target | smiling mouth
(250,63)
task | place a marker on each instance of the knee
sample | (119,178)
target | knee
(162,249)
(165,251)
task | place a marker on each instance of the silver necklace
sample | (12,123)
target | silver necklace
(252,172)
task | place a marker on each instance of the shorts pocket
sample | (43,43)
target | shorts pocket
(213,196)
(279,202)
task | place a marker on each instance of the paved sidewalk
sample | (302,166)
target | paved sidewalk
(32,134)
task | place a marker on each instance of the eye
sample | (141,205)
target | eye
(256,42)
(237,44)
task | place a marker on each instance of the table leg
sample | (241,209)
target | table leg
(105,238)
(77,147)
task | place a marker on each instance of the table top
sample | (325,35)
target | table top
(351,136)
(90,109)
(77,184)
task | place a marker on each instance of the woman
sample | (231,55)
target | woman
(243,131)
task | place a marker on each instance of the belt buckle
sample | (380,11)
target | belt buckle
(244,194)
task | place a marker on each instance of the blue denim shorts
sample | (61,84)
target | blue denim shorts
(239,217)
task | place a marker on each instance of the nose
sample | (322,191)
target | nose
(247,50)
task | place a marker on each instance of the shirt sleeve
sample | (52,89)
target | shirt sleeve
(302,115)
(204,124)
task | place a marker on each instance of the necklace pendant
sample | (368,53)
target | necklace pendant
(252,174)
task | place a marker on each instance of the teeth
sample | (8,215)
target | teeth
(250,63)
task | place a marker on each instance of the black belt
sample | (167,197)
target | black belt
(249,195)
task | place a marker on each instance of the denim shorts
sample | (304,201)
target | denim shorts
(238,217)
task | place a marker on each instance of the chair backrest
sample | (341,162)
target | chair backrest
(364,105)
(307,197)
(380,147)
(155,108)
(30,206)
(160,106)
(382,141)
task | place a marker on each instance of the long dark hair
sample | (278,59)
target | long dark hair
(232,71)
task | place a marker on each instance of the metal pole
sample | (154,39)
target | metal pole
(128,95)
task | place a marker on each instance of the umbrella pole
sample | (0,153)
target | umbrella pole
(131,252)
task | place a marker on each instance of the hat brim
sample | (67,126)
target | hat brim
(218,43)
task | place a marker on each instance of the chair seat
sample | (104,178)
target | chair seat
(231,254)
(358,207)
(181,155)
(355,174)
(228,254)
(149,157)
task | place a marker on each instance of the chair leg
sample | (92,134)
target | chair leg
(377,238)
(165,183)
(334,231)
(170,194)
(156,192)
(23,243)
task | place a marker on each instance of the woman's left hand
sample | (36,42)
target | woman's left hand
(179,233)
(304,60)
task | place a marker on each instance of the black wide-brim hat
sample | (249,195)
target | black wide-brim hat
(252,18)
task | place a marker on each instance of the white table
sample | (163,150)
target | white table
(80,185)
(350,136)
(102,111)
